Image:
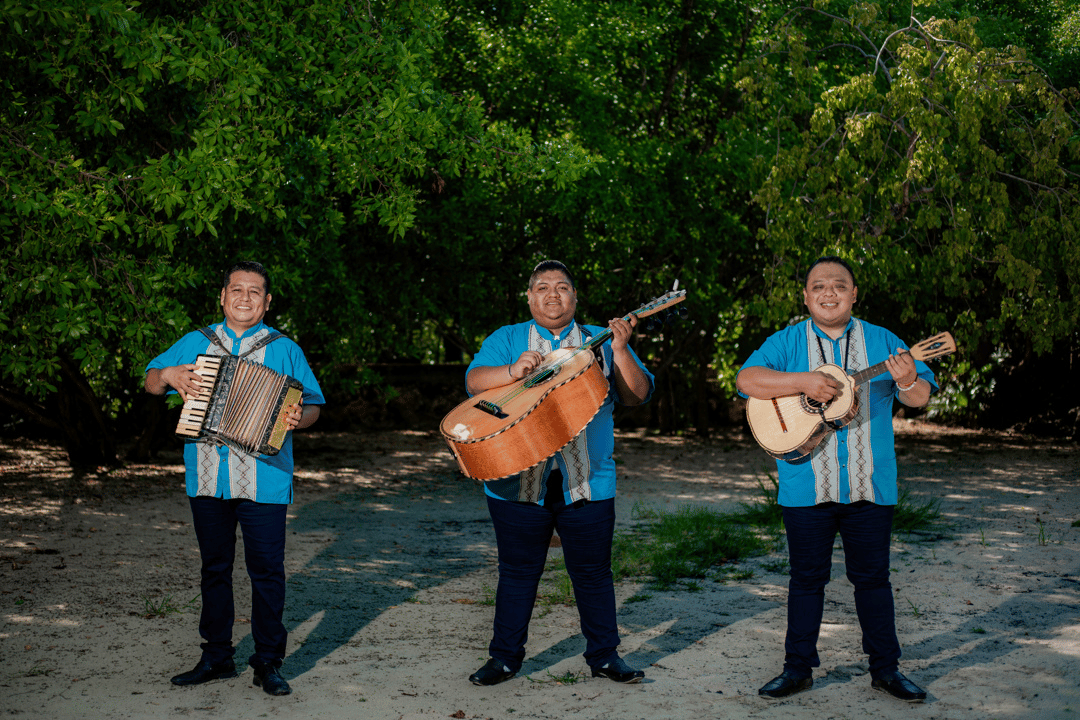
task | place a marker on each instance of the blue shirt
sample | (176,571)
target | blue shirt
(220,471)
(504,347)
(857,462)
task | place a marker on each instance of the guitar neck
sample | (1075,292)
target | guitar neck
(929,349)
(655,306)
(871,372)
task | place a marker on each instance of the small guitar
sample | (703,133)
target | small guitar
(507,429)
(791,426)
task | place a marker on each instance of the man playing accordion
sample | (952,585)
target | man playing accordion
(227,486)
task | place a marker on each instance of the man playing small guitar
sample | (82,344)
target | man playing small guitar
(847,483)
(572,492)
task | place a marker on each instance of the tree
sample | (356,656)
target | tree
(144,149)
(944,169)
(649,89)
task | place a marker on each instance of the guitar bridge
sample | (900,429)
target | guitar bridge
(491,409)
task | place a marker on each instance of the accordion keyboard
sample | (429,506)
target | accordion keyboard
(193,413)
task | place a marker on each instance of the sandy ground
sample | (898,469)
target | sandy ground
(391,570)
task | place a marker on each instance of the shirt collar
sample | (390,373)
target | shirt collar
(247,333)
(555,341)
(822,334)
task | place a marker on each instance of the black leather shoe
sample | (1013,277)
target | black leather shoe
(270,679)
(894,683)
(618,671)
(786,683)
(206,671)
(493,673)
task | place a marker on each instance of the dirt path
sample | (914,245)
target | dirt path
(391,565)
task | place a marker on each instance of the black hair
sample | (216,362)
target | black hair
(247,266)
(548,265)
(831,259)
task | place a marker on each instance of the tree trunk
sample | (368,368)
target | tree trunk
(88,433)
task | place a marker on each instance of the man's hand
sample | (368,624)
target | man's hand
(293,414)
(621,330)
(181,378)
(902,367)
(819,386)
(529,361)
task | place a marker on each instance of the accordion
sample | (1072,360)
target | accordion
(242,404)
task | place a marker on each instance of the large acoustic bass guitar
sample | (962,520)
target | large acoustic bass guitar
(789,427)
(507,429)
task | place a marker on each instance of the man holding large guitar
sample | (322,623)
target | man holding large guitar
(843,479)
(571,492)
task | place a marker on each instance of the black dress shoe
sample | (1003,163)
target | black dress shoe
(206,671)
(493,673)
(270,679)
(786,683)
(618,671)
(894,683)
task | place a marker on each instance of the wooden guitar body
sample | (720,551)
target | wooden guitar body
(533,421)
(791,426)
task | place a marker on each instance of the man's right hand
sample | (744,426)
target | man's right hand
(529,361)
(181,378)
(820,386)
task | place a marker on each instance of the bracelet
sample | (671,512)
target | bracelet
(905,388)
(510,373)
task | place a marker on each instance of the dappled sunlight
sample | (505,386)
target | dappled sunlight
(391,553)
(1067,640)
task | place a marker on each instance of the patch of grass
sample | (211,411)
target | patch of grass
(978,631)
(765,512)
(730,572)
(914,608)
(489,596)
(556,590)
(914,516)
(640,597)
(686,543)
(165,606)
(1076,523)
(780,566)
(567,678)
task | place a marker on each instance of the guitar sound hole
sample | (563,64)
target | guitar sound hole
(814,406)
(541,376)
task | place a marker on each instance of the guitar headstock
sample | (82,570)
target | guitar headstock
(937,346)
(661,303)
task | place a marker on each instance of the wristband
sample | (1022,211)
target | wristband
(905,388)
(510,373)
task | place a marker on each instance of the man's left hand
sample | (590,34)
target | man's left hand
(621,330)
(902,367)
(293,414)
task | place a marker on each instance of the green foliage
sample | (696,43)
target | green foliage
(650,90)
(943,169)
(146,148)
(687,543)
(911,515)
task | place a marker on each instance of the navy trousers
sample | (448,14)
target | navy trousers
(263,527)
(523,533)
(865,530)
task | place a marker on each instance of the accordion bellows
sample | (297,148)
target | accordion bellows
(242,404)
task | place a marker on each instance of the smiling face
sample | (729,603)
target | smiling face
(552,300)
(829,294)
(244,300)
